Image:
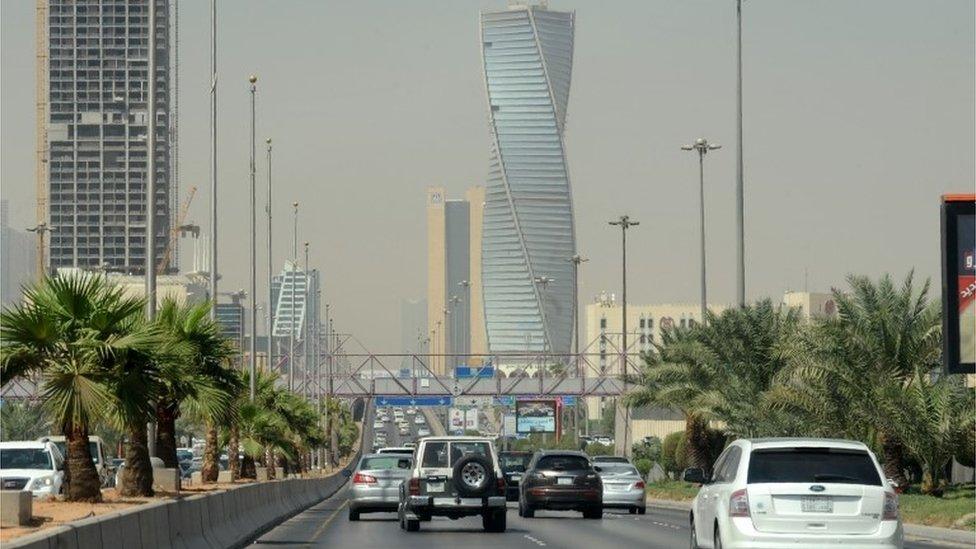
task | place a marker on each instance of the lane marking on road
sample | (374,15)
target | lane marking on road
(328,521)
(536,541)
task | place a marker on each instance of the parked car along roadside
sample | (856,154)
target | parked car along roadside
(32,466)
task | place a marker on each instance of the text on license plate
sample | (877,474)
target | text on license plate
(516,478)
(435,486)
(564,480)
(816,504)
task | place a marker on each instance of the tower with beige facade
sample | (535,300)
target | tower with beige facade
(455,315)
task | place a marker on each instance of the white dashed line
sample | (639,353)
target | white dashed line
(538,542)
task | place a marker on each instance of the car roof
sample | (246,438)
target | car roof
(36,444)
(378,455)
(542,453)
(794,442)
(455,439)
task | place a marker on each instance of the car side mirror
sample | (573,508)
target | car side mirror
(598,469)
(346,473)
(694,475)
(403,464)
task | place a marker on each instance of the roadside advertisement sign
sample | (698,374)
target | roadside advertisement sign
(508,425)
(959,283)
(460,420)
(536,416)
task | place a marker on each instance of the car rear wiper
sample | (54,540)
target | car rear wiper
(830,476)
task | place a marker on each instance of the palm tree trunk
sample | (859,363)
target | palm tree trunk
(334,440)
(269,461)
(210,455)
(247,467)
(137,476)
(697,443)
(166,412)
(894,459)
(81,477)
(233,449)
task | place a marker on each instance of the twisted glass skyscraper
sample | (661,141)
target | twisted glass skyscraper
(527,53)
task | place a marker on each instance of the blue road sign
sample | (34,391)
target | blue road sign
(414,401)
(509,400)
(467,372)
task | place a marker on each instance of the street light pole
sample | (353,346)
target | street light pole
(291,297)
(740,272)
(305,330)
(455,329)
(624,222)
(702,146)
(576,260)
(271,303)
(150,264)
(213,158)
(254,250)
(40,229)
(466,321)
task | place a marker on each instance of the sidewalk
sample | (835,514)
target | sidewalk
(914,532)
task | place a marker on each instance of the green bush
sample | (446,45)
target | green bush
(597,449)
(674,454)
(643,466)
(649,449)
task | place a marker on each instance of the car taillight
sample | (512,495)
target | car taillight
(739,504)
(500,484)
(639,485)
(363,479)
(890,506)
(414,487)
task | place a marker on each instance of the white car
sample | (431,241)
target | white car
(795,492)
(423,432)
(377,424)
(419,420)
(33,466)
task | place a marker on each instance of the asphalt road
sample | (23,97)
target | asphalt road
(327,525)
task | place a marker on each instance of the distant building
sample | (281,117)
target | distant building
(18,258)
(292,309)
(812,305)
(184,289)
(529,234)
(454,320)
(93,128)
(230,318)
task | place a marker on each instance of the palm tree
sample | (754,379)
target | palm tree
(718,372)
(24,420)
(71,330)
(198,378)
(882,339)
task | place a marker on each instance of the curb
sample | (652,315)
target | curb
(915,532)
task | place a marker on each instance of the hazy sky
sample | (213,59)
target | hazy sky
(858,115)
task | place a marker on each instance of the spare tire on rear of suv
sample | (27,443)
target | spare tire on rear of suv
(473,475)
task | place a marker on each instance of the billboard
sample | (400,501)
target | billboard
(959,283)
(460,420)
(536,416)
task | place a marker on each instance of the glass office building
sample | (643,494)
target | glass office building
(527,53)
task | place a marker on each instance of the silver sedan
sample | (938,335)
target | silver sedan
(623,487)
(376,483)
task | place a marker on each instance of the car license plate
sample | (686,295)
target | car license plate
(564,480)
(816,504)
(435,486)
(516,478)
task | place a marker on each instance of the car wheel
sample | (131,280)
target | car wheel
(593,513)
(693,537)
(528,511)
(413,525)
(717,544)
(494,520)
(473,475)
(353,514)
(632,510)
(642,510)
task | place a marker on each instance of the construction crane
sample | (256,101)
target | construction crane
(178,227)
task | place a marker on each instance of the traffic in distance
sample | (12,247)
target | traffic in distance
(449,491)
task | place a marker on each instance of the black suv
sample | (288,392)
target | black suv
(513,466)
(563,481)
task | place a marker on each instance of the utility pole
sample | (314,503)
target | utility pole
(41,228)
(291,295)
(702,146)
(576,260)
(254,250)
(305,331)
(213,158)
(466,321)
(740,271)
(271,303)
(624,222)
(150,265)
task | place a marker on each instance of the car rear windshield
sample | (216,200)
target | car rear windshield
(563,463)
(618,469)
(514,462)
(390,461)
(812,465)
(25,458)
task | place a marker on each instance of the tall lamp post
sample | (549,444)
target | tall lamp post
(446,333)
(455,329)
(213,158)
(305,330)
(740,272)
(702,146)
(625,223)
(271,303)
(291,297)
(41,228)
(150,265)
(252,369)
(577,260)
